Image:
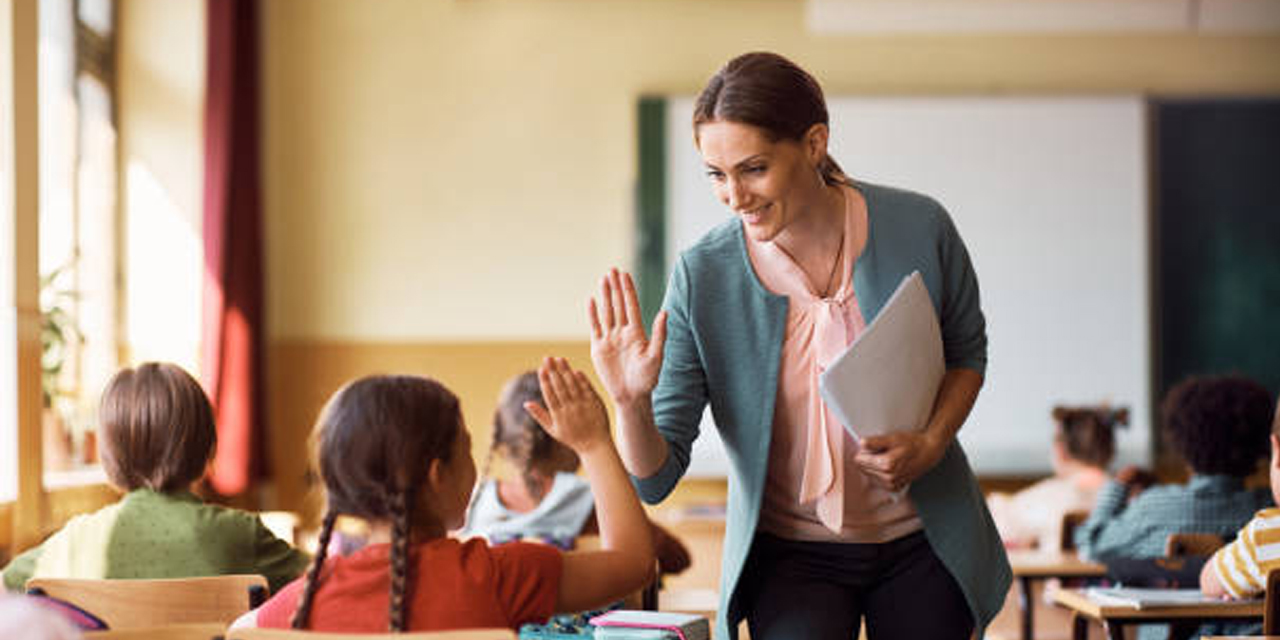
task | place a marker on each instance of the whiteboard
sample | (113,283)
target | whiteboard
(1050,197)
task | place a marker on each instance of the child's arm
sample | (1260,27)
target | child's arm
(1209,583)
(575,416)
(19,570)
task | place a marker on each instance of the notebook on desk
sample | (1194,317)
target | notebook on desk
(1149,598)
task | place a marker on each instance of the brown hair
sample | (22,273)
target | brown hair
(520,438)
(1219,424)
(156,428)
(1088,433)
(374,443)
(769,92)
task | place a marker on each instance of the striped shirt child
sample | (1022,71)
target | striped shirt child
(1242,566)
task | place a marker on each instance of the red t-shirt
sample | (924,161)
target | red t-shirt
(453,585)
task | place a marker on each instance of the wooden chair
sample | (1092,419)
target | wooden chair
(289,634)
(1271,608)
(126,604)
(1067,529)
(1181,545)
(198,631)
(1178,545)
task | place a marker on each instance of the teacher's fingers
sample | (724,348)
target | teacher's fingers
(632,300)
(606,299)
(594,316)
(619,297)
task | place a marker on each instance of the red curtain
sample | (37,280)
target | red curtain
(233,317)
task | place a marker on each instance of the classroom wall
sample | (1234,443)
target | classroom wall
(446,180)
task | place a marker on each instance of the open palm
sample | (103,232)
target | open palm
(625,359)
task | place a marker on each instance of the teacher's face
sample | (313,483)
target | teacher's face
(767,183)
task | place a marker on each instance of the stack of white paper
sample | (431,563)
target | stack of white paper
(888,379)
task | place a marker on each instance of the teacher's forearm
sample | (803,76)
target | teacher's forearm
(642,447)
(955,399)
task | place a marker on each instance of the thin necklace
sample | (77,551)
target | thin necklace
(835,265)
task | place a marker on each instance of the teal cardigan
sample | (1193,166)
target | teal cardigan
(724,346)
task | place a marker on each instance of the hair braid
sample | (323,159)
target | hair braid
(399,560)
(303,611)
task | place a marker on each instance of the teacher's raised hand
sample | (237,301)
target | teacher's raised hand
(625,359)
(628,364)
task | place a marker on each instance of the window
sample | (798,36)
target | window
(78,224)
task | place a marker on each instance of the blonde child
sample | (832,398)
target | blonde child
(546,500)
(393,450)
(156,436)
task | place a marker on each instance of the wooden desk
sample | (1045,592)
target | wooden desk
(1030,566)
(1114,618)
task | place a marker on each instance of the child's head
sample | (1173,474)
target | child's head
(1219,424)
(1086,435)
(520,439)
(391,449)
(156,428)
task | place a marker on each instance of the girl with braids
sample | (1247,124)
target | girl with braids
(547,501)
(1084,443)
(393,450)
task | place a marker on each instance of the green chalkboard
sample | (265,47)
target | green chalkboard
(1216,239)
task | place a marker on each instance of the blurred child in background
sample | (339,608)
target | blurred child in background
(1239,570)
(1083,446)
(547,500)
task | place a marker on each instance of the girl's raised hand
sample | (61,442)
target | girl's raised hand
(626,361)
(574,413)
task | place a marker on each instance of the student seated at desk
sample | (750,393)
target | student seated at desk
(548,502)
(1083,445)
(1219,425)
(1239,570)
(393,450)
(155,438)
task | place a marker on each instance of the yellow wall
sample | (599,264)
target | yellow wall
(464,169)
(446,179)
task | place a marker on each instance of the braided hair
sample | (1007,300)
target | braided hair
(374,443)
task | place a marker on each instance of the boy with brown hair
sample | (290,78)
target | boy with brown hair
(156,436)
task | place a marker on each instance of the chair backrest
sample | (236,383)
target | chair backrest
(289,634)
(1067,529)
(1191,544)
(125,604)
(1271,610)
(197,631)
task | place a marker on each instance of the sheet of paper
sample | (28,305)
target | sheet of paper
(888,378)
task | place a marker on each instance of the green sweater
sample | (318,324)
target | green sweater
(724,345)
(157,535)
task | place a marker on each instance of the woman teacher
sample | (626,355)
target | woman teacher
(817,540)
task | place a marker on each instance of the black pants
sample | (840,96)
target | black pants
(819,590)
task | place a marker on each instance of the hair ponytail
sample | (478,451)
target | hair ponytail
(303,611)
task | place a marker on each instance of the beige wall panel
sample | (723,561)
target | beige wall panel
(303,374)
(464,170)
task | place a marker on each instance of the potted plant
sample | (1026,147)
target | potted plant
(58,335)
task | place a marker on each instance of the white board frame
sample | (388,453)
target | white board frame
(1050,196)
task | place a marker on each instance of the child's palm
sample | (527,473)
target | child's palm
(573,412)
